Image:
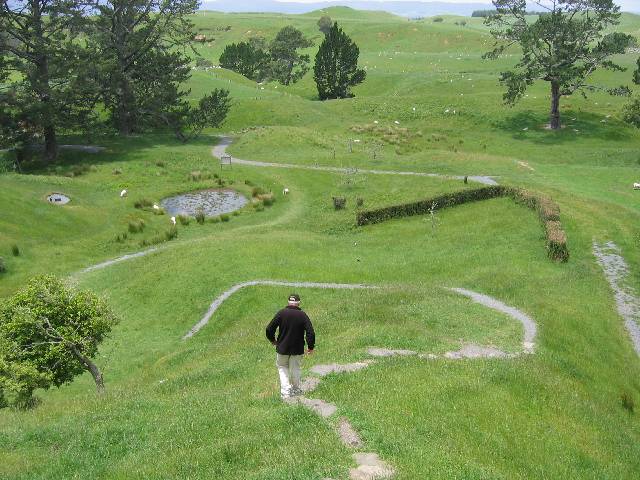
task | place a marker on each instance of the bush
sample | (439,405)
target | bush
(15,250)
(267,199)
(339,203)
(3,267)
(48,335)
(359,202)
(136,226)
(143,203)
(121,237)
(224,217)
(200,218)
(203,62)
(258,206)
(438,20)
(631,113)
(184,219)
(627,402)
(548,212)
(160,164)
(256,191)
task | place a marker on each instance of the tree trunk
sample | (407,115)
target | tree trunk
(50,143)
(554,120)
(89,365)
(125,105)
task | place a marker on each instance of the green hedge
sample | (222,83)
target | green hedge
(548,212)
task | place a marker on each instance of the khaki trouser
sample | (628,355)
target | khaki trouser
(289,371)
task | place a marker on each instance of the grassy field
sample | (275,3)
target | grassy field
(209,407)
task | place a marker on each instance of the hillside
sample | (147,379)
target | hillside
(483,394)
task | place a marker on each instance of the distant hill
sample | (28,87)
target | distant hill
(404,8)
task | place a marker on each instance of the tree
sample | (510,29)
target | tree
(324,24)
(286,65)
(631,111)
(336,67)
(563,47)
(142,63)
(48,335)
(245,58)
(39,43)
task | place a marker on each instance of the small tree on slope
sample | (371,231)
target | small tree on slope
(563,47)
(336,68)
(48,335)
(632,110)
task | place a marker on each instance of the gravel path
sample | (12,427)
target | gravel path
(627,301)
(123,258)
(221,149)
(369,465)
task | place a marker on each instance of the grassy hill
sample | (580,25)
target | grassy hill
(209,407)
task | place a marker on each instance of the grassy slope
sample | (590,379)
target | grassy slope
(207,408)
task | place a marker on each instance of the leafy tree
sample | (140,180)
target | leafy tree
(141,46)
(246,58)
(324,24)
(336,67)
(48,335)
(631,112)
(286,65)
(39,42)
(563,47)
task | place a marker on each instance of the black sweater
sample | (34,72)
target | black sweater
(292,323)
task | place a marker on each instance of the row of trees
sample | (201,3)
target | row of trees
(65,66)
(336,63)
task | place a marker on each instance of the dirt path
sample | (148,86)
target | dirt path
(123,258)
(221,149)
(369,464)
(627,301)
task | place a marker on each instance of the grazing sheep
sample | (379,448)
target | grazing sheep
(173,220)
(123,193)
(636,186)
(396,122)
(156,207)
(285,191)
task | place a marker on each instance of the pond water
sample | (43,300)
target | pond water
(58,199)
(211,202)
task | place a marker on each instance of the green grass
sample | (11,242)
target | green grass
(209,408)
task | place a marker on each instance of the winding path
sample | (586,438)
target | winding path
(220,150)
(627,301)
(123,258)
(369,464)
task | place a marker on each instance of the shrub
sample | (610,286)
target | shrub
(3,267)
(248,183)
(200,218)
(121,237)
(143,203)
(171,234)
(215,219)
(339,203)
(136,226)
(548,212)
(160,164)
(258,206)
(627,402)
(184,219)
(49,334)
(15,250)
(359,202)
(224,217)
(203,62)
(267,199)
(256,191)
(631,113)
(438,20)
(158,211)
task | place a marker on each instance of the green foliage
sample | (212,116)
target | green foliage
(143,203)
(15,250)
(336,66)
(324,24)
(563,47)
(224,217)
(136,226)
(438,19)
(548,212)
(631,113)
(202,62)
(286,65)
(246,59)
(339,203)
(211,112)
(3,267)
(200,217)
(184,220)
(627,402)
(48,334)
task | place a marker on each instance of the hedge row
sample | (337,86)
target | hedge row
(548,212)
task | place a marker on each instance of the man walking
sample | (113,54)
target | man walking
(292,324)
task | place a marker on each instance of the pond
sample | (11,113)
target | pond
(211,202)
(58,199)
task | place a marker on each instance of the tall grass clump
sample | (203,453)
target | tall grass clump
(339,203)
(15,250)
(627,402)
(3,267)
(136,226)
(200,217)
(143,203)
(184,220)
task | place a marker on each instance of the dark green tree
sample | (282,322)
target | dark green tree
(49,334)
(631,111)
(246,58)
(336,68)
(39,47)
(324,24)
(142,62)
(286,65)
(563,47)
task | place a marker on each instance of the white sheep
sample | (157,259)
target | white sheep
(285,191)
(173,220)
(396,122)
(636,186)
(156,207)
(123,193)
